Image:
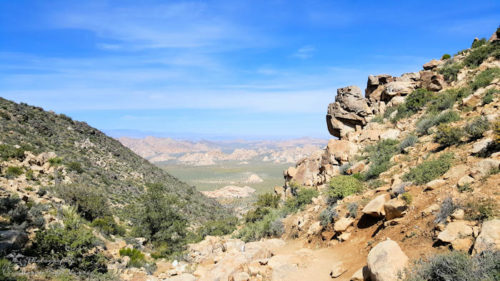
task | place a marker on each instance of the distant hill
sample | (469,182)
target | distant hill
(102,162)
(161,150)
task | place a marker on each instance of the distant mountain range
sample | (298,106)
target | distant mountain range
(199,153)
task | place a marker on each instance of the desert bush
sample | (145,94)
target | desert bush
(268,199)
(156,217)
(478,43)
(108,226)
(41,191)
(343,186)
(443,101)
(457,266)
(328,215)
(352,209)
(7,272)
(450,70)
(379,118)
(72,244)
(137,258)
(19,214)
(9,151)
(477,55)
(477,127)
(413,103)
(447,135)
(447,208)
(13,172)
(481,209)
(388,111)
(218,227)
(464,188)
(268,226)
(75,166)
(89,201)
(407,197)
(257,214)
(409,141)
(489,95)
(55,161)
(445,57)
(379,156)
(304,197)
(430,120)
(429,169)
(343,169)
(485,78)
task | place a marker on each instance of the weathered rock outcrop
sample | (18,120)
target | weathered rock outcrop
(348,111)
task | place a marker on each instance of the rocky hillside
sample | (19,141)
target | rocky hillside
(84,156)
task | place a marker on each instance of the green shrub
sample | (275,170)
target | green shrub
(157,217)
(485,78)
(464,188)
(8,203)
(480,54)
(445,57)
(388,111)
(218,227)
(304,197)
(257,214)
(328,215)
(481,209)
(72,244)
(271,225)
(41,191)
(343,186)
(490,94)
(407,197)
(379,156)
(10,151)
(478,43)
(443,101)
(447,135)
(13,172)
(457,266)
(409,141)
(429,169)
(6,270)
(108,226)
(430,120)
(137,258)
(379,118)
(56,161)
(75,166)
(89,201)
(413,103)
(450,70)
(268,200)
(477,127)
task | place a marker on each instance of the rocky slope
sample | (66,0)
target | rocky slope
(88,158)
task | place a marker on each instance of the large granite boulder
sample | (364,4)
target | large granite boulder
(386,261)
(348,111)
(489,238)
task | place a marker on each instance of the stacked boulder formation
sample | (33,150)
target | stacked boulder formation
(348,119)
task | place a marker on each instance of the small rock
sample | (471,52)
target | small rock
(481,145)
(458,214)
(455,230)
(344,236)
(394,208)
(342,224)
(434,184)
(462,244)
(432,64)
(431,209)
(465,180)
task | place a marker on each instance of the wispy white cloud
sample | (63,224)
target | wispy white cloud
(304,52)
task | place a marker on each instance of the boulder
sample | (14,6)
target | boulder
(472,100)
(484,166)
(390,134)
(481,145)
(347,112)
(432,81)
(376,207)
(342,224)
(394,208)
(458,214)
(342,150)
(489,237)
(435,184)
(429,210)
(465,180)
(397,88)
(337,269)
(385,261)
(432,64)
(356,168)
(361,274)
(455,230)
(315,229)
(375,86)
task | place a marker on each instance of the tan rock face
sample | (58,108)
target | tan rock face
(348,111)
(385,261)
(455,230)
(432,64)
(376,207)
(432,81)
(489,238)
(394,208)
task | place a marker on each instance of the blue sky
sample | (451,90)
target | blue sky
(219,69)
